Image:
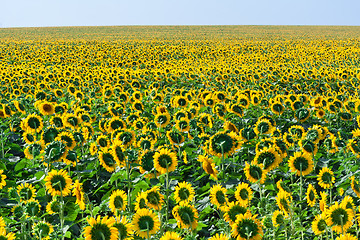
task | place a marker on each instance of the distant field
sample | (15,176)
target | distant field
(183,32)
(180,132)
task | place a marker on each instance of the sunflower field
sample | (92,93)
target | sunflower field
(179,133)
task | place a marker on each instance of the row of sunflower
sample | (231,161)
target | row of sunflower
(192,143)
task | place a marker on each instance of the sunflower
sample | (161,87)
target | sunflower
(6,236)
(283,200)
(125,137)
(175,137)
(46,108)
(232,210)
(208,166)
(57,122)
(222,144)
(118,201)
(355,186)
(53,207)
(184,192)
(2,179)
(54,152)
(205,119)
(263,126)
(247,227)
(67,138)
(348,201)
(162,119)
(243,194)
(278,218)
(146,223)
(255,172)
(301,163)
(125,228)
(58,183)
(229,126)
(103,141)
(71,120)
(26,192)
(2,223)
(269,157)
(115,123)
(33,123)
(141,201)
(183,124)
(154,198)
(236,109)
(101,229)
(326,178)
(171,236)
(277,108)
(186,215)
(42,230)
(165,161)
(79,194)
(318,225)
(107,159)
(302,114)
(218,196)
(32,208)
(346,236)
(323,203)
(339,217)
(311,195)
(146,163)
(320,113)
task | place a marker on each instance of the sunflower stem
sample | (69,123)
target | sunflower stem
(62,213)
(129,183)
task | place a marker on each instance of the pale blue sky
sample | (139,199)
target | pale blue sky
(39,13)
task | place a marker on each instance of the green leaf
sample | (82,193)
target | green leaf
(39,175)
(21,165)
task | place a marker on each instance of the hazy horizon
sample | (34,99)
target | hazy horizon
(67,13)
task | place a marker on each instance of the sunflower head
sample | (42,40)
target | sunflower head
(246,226)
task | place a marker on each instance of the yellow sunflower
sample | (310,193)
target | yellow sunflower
(154,198)
(107,159)
(165,161)
(243,193)
(2,179)
(146,223)
(58,182)
(186,215)
(232,210)
(184,192)
(318,225)
(346,236)
(26,192)
(278,218)
(255,172)
(141,201)
(42,230)
(218,196)
(284,200)
(118,201)
(326,178)
(339,217)
(125,228)
(7,236)
(247,227)
(33,123)
(208,166)
(269,157)
(301,163)
(101,229)
(79,194)
(219,236)
(46,108)
(355,186)
(311,195)
(171,236)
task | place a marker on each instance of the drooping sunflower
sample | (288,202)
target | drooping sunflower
(186,215)
(42,230)
(324,201)
(33,123)
(26,192)
(232,210)
(154,198)
(79,194)
(283,200)
(175,137)
(247,227)
(2,179)
(125,137)
(318,225)
(146,162)
(124,227)
(355,186)
(222,144)
(165,161)
(311,195)
(269,157)
(141,201)
(71,120)
(255,172)
(118,201)
(58,182)
(278,218)
(243,194)
(326,178)
(218,196)
(107,159)
(308,146)
(32,208)
(171,236)
(101,229)
(208,166)
(53,207)
(54,152)
(339,217)
(184,192)
(146,223)
(67,138)
(301,163)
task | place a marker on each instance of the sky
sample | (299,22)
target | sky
(45,13)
